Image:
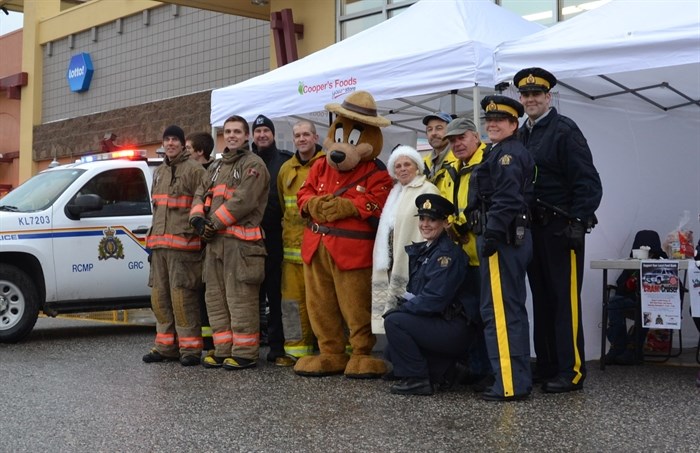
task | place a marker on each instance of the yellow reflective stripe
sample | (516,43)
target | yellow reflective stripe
(207,331)
(499,315)
(573,289)
(290,201)
(298,351)
(292,254)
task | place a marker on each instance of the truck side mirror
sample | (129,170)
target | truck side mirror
(83,203)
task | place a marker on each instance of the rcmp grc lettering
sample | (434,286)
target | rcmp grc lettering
(83,267)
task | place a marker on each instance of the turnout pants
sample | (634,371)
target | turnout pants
(556,274)
(176,279)
(295,318)
(506,326)
(233,271)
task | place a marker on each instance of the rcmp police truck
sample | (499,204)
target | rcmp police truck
(72,239)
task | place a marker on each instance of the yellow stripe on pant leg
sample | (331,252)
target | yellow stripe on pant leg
(499,315)
(573,297)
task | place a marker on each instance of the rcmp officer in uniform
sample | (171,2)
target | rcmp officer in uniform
(567,193)
(499,193)
(432,327)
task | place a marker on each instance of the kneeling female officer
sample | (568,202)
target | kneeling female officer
(430,329)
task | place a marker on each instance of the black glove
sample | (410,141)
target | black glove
(198,225)
(209,231)
(575,233)
(491,240)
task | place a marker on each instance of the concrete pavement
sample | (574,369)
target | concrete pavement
(79,386)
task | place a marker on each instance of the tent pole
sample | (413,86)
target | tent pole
(475,108)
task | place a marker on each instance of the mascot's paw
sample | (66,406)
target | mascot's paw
(315,209)
(365,367)
(338,208)
(321,365)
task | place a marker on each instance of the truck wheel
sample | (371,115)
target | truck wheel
(19,304)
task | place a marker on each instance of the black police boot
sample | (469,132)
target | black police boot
(412,386)
(561,385)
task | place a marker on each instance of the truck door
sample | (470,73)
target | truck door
(102,254)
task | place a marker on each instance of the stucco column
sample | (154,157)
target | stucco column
(32,64)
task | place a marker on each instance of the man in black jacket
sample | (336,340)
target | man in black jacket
(567,193)
(271,289)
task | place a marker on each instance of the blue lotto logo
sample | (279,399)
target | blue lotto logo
(80,72)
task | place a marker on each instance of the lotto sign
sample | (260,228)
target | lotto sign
(80,72)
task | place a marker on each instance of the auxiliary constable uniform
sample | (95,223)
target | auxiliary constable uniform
(499,194)
(434,327)
(568,182)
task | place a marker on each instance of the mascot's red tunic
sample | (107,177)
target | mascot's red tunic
(342,199)
(368,192)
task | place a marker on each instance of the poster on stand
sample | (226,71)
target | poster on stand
(661,299)
(694,288)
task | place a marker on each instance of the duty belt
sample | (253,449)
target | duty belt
(340,232)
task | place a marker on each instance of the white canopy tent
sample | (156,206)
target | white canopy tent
(630,77)
(427,58)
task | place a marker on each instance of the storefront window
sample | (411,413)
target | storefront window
(358,15)
(354,26)
(571,8)
(357,6)
(540,11)
(397,11)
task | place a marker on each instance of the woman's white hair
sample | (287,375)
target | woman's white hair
(406,151)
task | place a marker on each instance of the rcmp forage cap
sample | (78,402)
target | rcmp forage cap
(262,120)
(434,206)
(442,116)
(175,131)
(534,79)
(498,106)
(459,126)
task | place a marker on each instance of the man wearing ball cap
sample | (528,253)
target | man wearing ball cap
(568,191)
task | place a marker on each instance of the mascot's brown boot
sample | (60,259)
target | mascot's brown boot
(365,367)
(321,365)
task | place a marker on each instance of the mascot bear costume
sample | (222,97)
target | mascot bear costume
(342,199)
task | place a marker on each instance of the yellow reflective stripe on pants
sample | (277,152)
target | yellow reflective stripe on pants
(573,288)
(499,314)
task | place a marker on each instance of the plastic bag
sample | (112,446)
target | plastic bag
(679,243)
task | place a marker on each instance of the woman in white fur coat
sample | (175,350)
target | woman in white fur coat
(398,227)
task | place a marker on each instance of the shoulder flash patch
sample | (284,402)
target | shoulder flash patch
(444,261)
(505,160)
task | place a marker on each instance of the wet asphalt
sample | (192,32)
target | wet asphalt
(80,386)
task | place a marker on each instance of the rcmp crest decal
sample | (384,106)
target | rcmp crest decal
(110,246)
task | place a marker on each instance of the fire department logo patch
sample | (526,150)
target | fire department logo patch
(505,160)
(110,246)
(253,172)
(444,261)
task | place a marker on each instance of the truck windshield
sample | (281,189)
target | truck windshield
(40,191)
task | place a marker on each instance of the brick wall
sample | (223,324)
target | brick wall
(138,125)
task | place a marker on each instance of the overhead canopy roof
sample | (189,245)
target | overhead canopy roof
(629,44)
(430,49)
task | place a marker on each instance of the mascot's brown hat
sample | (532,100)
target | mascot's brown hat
(359,106)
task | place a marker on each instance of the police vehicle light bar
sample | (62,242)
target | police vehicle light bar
(133,154)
